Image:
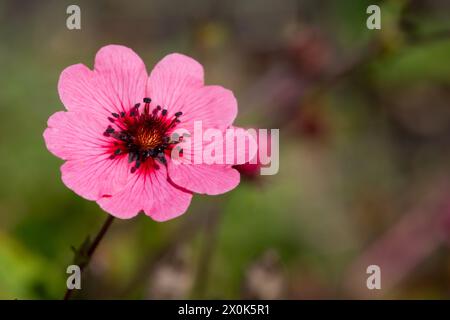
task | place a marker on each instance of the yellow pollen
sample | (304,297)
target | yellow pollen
(148,137)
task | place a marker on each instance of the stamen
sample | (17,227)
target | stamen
(136,109)
(109,129)
(131,157)
(144,136)
(155,111)
(174,122)
(175,136)
(161,158)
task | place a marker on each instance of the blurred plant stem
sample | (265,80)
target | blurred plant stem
(208,220)
(183,234)
(84,255)
(211,230)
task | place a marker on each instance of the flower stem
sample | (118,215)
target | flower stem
(90,251)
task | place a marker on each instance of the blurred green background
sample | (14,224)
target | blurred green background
(364,120)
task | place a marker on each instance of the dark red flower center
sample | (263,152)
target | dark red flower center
(145,136)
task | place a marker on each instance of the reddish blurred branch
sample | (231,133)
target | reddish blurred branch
(404,246)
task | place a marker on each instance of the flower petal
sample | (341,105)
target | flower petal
(244,145)
(95,177)
(176,83)
(203,178)
(151,192)
(172,77)
(169,201)
(214,146)
(77,137)
(116,84)
(212,106)
(74,135)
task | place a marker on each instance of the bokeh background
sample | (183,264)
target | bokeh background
(364,119)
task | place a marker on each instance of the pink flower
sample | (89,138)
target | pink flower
(251,170)
(116,133)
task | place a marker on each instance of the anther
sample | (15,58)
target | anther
(131,157)
(156,110)
(161,158)
(135,131)
(136,110)
(174,121)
